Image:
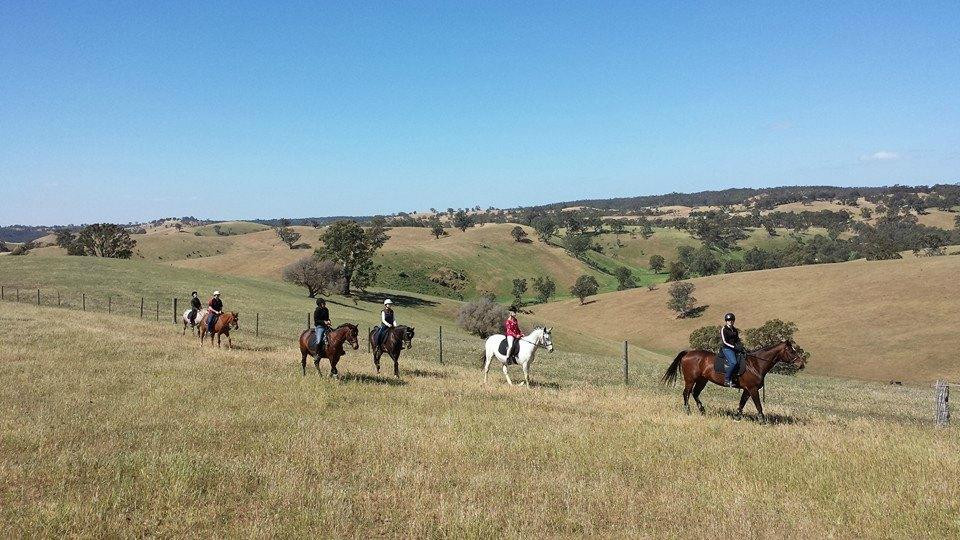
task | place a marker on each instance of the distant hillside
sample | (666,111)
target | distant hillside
(881,320)
(734,196)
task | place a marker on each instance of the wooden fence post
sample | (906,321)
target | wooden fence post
(18,295)
(141,307)
(38,297)
(626,364)
(175,311)
(942,407)
(109,304)
(58,298)
(2,292)
(257,331)
(158,311)
(308,320)
(368,338)
(440,338)
(84,300)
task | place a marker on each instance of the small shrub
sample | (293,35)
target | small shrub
(483,317)
(706,338)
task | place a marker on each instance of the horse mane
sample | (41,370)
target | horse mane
(767,347)
(343,325)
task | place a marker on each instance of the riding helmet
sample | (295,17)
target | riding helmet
(387,302)
(321,301)
(730,317)
(194,293)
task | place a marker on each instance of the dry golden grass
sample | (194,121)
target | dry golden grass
(878,320)
(117,427)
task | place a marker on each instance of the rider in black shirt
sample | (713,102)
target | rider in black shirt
(195,306)
(321,321)
(730,344)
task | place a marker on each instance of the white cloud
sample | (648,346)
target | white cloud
(882,155)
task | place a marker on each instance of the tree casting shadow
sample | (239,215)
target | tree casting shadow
(401,300)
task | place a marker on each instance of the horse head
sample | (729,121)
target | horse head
(544,339)
(793,354)
(407,336)
(352,333)
(235,321)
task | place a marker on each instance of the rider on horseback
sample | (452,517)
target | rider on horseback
(195,306)
(387,321)
(512,330)
(321,321)
(730,339)
(215,309)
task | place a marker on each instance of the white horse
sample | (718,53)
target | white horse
(195,326)
(526,351)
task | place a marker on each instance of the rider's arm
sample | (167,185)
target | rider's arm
(723,337)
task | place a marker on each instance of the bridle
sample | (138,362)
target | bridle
(539,343)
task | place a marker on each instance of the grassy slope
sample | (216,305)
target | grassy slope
(231,228)
(169,440)
(487,255)
(876,320)
(282,307)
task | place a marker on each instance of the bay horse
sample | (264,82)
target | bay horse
(397,337)
(698,369)
(225,322)
(526,352)
(346,332)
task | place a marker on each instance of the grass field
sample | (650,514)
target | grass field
(119,427)
(880,320)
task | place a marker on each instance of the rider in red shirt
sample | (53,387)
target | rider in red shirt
(512,329)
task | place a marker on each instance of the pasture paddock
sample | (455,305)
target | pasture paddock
(169,440)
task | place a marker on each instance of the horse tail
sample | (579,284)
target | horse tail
(671,375)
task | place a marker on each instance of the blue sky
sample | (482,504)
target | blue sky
(113,111)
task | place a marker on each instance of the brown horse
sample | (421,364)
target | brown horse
(333,351)
(697,367)
(220,328)
(392,345)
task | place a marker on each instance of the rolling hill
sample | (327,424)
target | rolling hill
(880,320)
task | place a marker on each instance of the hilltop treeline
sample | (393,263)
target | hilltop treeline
(763,198)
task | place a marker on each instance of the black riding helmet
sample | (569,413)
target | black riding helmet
(194,293)
(729,317)
(321,302)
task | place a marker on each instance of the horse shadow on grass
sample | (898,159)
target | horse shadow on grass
(255,348)
(771,418)
(545,384)
(426,373)
(371,379)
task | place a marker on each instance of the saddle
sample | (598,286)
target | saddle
(511,356)
(720,363)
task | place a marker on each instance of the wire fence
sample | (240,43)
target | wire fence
(432,346)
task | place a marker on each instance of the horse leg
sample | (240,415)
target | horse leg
(303,363)
(396,365)
(743,401)
(376,359)
(526,373)
(486,366)
(697,388)
(184,329)
(229,342)
(687,389)
(333,366)
(755,395)
(507,375)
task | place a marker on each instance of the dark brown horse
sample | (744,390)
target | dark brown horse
(334,346)
(392,344)
(697,367)
(222,327)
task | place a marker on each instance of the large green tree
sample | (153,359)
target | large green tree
(104,240)
(349,245)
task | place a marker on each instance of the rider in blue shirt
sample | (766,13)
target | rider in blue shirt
(730,339)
